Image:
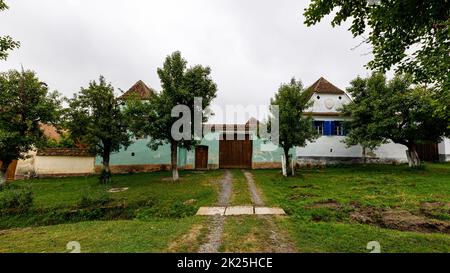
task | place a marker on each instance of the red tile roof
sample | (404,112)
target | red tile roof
(64,152)
(322,86)
(140,89)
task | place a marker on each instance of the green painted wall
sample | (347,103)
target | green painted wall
(144,155)
(138,153)
(260,156)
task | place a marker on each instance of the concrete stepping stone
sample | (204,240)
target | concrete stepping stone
(239,210)
(269,211)
(211,211)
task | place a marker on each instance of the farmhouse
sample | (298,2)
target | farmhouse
(244,149)
(228,145)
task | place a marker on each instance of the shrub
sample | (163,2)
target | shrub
(17,199)
(88,201)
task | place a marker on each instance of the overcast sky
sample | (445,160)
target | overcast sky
(252,46)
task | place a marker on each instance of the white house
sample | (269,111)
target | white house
(327,100)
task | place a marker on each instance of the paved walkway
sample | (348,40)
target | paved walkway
(239,210)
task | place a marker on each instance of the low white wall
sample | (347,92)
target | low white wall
(333,147)
(444,150)
(63,165)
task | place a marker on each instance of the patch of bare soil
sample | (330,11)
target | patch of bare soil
(400,220)
(330,203)
(279,240)
(298,195)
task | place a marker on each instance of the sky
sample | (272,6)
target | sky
(252,46)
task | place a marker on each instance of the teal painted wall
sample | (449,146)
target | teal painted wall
(260,156)
(144,155)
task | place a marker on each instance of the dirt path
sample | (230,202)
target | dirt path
(216,224)
(280,242)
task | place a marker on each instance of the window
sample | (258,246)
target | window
(338,128)
(319,127)
(329,127)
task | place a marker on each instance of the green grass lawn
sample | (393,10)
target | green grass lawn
(152,213)
(66,192)
(97,236)
(241,194)
(329,229)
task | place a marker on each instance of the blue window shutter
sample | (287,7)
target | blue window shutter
(327,128)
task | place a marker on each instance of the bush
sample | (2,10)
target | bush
(88,201)
(17,199)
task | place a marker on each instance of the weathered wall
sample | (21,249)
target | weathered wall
(333,150)
(63,165)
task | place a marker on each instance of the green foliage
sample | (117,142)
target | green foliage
(19,200)
(88,200)
(180,85)
(295,130)
(412,35)
(95,118)
(394,110)
(25,103)
(6,42)
(65,142)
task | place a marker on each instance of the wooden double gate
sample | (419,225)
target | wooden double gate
(234,152)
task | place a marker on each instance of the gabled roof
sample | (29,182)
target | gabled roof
(140,89)
(322,86)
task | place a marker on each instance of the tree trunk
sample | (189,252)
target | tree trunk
(413,157)
(287,161)
(364,156)
(4,172)
(106,173)
(174,159)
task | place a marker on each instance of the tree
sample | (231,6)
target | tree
(399,111)
(295,129)
(6,42)
(361,113)
(180,87)
(25,104)
(412,35)
(95,118)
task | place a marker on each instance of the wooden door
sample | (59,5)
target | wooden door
(201,157)
(428,151)
(234,153)
(10,173)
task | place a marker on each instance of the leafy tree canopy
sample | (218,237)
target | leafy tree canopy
(411,35)
(6,42)
(180,86)
(398,111)
(95,118)
(25,104)
(295,129)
